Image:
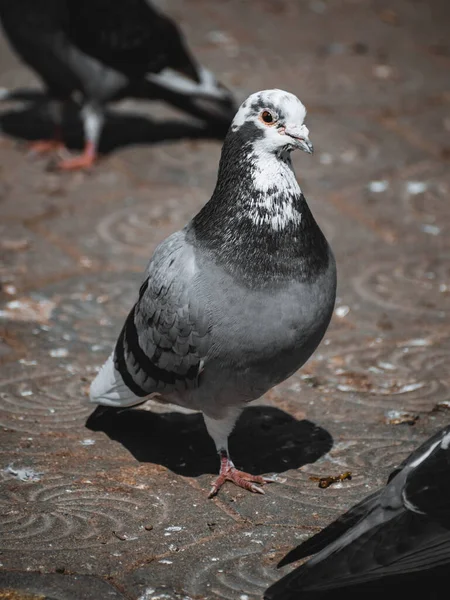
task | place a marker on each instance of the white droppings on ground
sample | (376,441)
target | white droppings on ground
(387,366)
(410,387)
(416,187)
(9,289)
(59,353)
(26,393)
(342,311)
(23,474)
(431,229)
(147,594)
(28,309)
(378,186)
(416,342)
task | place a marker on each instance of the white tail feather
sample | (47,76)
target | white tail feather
(174,81)
(109,389)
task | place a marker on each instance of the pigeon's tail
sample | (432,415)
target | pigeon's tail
(109,389)
(203,96)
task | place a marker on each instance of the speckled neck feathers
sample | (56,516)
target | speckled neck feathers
(257,223)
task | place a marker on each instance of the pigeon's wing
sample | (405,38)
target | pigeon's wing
(405,529)
(333,531)
(405,545)
(422,451)
(165,339)
(131,36)
(36,31)
(421,487)
(427,487)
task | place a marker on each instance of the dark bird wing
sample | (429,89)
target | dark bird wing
(165,338)
(405,530)
(131,37)
(427,487)
(332,532)
(36,32)
(408,544)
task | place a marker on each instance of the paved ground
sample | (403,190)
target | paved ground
(120,509)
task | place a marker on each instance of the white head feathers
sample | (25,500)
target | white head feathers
(278,117)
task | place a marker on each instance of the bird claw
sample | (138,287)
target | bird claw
(76,163)
(43,146)
(241,479)
(83,161)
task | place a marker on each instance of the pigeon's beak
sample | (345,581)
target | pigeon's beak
(300,136)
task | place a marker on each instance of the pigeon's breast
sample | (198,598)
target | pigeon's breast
(268,334)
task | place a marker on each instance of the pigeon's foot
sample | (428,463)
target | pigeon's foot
(83,161)
(54,144)
(44,146)
(228,472)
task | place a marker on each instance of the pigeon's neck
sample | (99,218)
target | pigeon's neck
(257,223)
(273,198)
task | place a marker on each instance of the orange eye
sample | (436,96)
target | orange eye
(267,117)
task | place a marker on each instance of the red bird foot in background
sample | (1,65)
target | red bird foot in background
(44,146)
(54,144)
(83,161)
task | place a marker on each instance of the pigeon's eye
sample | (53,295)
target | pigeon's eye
(267,117)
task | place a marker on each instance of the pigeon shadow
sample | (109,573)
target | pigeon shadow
(121,129)
(265,439)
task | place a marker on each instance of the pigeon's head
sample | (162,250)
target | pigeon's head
(276,120)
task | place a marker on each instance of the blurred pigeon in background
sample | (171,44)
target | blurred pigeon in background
(239,299)
(397,536)
(104,50)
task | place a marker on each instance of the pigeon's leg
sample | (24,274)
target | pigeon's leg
(219,430)
(93,119)
(54,109)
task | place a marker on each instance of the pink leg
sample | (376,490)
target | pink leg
(44,146)
(228,472)
(83,161)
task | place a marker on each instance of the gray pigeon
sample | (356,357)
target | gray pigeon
(400,535)
(105,50)
(240,298)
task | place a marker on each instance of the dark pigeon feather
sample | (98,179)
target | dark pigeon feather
(401,531)
(132,37)
(163,341)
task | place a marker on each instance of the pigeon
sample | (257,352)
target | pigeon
(240,298)
(99,51)
(400,533)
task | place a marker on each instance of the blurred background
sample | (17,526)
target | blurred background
(125,504)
